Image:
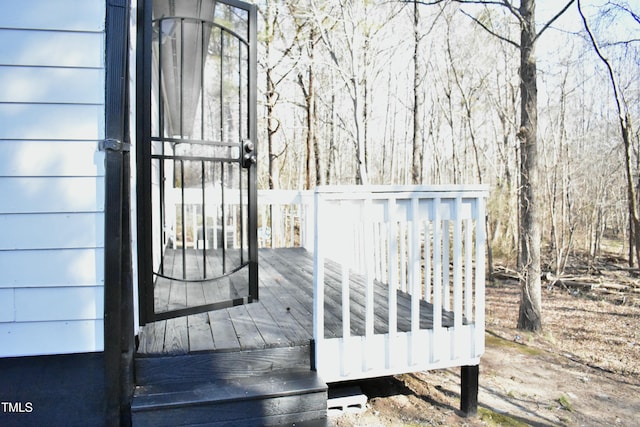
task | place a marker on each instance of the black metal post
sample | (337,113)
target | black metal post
(117,245)
(253,137)
(143,152)
(126,297)
(469,390)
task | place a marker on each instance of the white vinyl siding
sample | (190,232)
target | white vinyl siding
(51,48)
(52,83)
(7,301)
(51,121)
(51,268)
(52,231)
(61,337)
(66,15)
(80,303)
(51,159)
(52,194)
(64,85)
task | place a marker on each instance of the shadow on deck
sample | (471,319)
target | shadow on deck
(283,316)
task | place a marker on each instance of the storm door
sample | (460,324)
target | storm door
(197,213)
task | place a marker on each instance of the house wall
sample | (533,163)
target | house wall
(52,95)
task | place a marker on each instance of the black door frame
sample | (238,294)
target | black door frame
(144,80)
(118,276)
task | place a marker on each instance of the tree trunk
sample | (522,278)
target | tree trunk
(272,127)
(271,98)
(634,221)
(416,169)
(530,316)
(311,145)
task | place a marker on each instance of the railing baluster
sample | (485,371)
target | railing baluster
(446,288)
(414,278)
(346,318)
(427,259)
(392,271)
(480,276)
(369,266)
(457,263)
(403,257)
(457,276)
(318,282)
(377,261)
(437,278)
(468,271)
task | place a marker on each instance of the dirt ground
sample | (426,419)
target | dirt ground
(582,370)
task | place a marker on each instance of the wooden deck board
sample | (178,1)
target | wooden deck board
(295,297)
(282,317)
(246,329)
(333,299)
(176,331)
(269,329)
(200,334)
(282,260)
(224,335)
(152,338)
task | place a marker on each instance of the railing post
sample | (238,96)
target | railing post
(392,271)
(457,277)
(368,248)
(478,342)
(437,279)
(318,282)
(415,279)
(309,219)
(468,270)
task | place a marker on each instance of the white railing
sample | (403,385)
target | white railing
(285,219)
(421,253)
(399,272)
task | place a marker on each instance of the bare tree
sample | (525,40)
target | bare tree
(351,36)
(530,315)
(624,118)
(277,65)
(307,85)
(418,102)
(558,180)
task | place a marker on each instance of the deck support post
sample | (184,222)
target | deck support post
(469,390)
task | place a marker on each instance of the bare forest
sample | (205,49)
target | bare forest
(398,92)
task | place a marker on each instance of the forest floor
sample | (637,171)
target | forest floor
(582,370)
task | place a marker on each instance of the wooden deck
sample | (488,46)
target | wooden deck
(283,316)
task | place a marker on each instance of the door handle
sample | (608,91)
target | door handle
(249,155)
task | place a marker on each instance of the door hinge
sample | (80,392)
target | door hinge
(114,145)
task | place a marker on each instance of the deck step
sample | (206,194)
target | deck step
(277,398)
(220,365)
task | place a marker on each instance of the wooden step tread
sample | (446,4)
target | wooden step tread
(273,385)
(213,366)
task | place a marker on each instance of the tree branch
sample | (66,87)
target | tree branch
(503,3)
(622,43)
(596,47)
(552,20)
(634,15)
(490,31)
